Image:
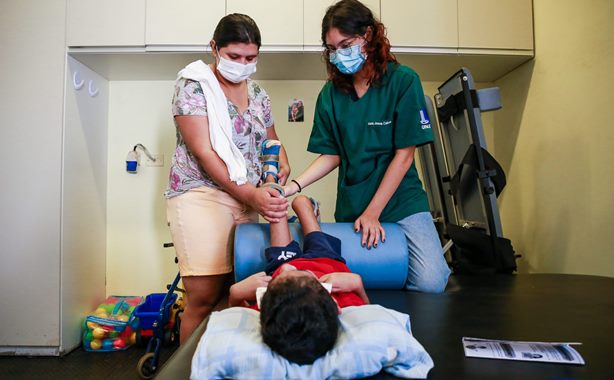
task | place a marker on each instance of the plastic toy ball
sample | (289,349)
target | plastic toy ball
(123,318)
(102,315)
(99,333)
(92,325)
(95,344)
(107,344)
(119,343)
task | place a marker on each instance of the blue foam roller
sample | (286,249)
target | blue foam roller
(384,267)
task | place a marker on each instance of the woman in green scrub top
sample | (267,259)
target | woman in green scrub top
(370,116)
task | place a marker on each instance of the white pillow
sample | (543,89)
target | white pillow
(372,338)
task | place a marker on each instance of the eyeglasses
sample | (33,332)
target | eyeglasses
(344,49)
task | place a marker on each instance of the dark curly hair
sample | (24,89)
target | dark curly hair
(298,319)
(353,18)
(236,28)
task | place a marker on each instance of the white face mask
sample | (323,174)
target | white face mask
(234,71)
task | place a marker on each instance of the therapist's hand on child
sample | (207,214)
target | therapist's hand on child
(372,230)
(290,189)
(283,174)
(269,203)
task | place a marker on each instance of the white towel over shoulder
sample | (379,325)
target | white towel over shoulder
(220,126)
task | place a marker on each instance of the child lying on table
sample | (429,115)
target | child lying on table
(298,317)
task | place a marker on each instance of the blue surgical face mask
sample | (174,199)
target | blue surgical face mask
(348,60)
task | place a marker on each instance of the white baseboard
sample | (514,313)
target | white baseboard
(29,351)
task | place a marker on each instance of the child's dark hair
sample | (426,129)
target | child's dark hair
(298,319)
(236,28)
(353,18)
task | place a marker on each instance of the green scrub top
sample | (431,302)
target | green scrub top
(364,133)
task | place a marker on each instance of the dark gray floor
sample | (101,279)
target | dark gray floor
(79,364)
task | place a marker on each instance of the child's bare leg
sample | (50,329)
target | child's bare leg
(304,210)
(280,232)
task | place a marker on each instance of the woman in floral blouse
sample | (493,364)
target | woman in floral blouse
(203,204)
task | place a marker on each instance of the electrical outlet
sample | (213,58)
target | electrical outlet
(158,162)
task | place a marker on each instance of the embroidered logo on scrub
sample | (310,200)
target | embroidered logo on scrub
(285,255)
(425,123)
(379,123)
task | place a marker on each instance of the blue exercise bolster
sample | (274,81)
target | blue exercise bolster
(384,267)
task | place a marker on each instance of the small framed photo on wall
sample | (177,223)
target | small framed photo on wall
(296,111)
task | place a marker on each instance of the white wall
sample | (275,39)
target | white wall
(555,139)
(84,198)
(139,112)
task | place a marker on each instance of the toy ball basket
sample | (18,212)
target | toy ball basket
(112,326)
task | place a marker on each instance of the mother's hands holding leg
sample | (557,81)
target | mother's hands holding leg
(269,203)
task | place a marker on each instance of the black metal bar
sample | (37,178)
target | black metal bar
(484,181)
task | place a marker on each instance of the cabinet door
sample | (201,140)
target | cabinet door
(182,22)
(501,24)
(106,23)
(419,23)
(314,12)
(280,21)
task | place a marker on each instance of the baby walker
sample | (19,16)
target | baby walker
(159,321)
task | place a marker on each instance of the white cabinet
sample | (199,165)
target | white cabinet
(182,22)
(314,11)
(295,25)
(500,24)
(418,23)
(106,23)
(280,21)
(52,265)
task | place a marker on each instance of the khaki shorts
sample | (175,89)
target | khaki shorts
(202,223)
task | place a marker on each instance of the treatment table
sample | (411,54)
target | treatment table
(522,307)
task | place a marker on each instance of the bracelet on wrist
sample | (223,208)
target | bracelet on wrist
(297,184)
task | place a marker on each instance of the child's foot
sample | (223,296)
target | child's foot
(275,186)
(316,208)
(303,201)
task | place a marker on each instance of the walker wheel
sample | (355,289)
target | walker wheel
(169,337)
(146,366)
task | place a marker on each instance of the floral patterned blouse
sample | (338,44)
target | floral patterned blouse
(248,133)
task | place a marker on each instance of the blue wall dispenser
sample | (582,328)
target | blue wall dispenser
(133,159)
